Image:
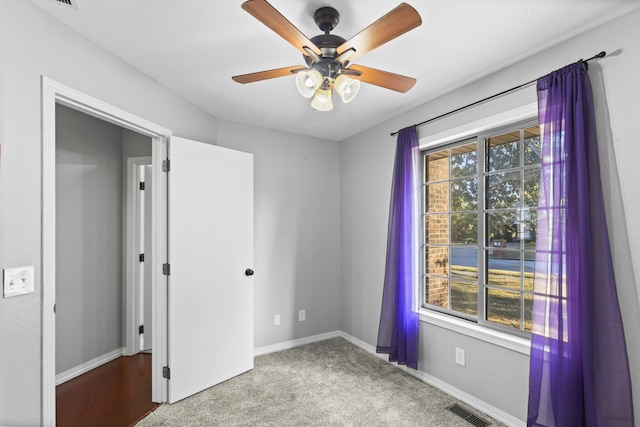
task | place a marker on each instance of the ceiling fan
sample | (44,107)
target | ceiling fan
(328,56)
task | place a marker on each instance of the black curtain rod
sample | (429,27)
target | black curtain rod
(597,56)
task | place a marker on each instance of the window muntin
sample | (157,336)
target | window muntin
(480,201)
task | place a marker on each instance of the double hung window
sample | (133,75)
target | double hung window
(480,200)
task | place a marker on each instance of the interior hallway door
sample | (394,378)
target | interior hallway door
(210,296)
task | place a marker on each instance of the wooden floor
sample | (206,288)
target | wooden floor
(116,394)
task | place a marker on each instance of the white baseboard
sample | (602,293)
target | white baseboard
(363,345)
(286,345)
(87,366)
(470,400)
(452,391)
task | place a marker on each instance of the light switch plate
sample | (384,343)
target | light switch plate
(18,281)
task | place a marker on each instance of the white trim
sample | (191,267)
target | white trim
(132,268)
(473,330)
(48,282)
(286,345)
(465,397)
(101,110)
(471,129)
(159,252)
(52,93)
(458,133)
(452,391)
(363,345)
(85,367)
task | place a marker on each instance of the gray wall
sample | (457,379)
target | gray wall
(296,194)
(89,200)
(33,44)
(493,374)
(297,242)
(134,145)
(321,207)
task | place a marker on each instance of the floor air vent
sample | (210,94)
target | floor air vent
(468,416)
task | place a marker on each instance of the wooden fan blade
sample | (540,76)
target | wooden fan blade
(383,79)
(395,23)
(268,74)
(269,16)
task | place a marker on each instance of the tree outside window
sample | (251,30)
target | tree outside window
(480,200)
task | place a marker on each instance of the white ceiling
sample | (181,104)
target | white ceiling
(194,47)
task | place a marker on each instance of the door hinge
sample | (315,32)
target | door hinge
(141,329)
(166,269)
(166,372)
(141,257)
(142,185)
(166,165)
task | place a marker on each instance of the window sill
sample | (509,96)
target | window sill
(501,339)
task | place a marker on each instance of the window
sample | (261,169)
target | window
(480,201)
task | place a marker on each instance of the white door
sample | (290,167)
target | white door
(210,297)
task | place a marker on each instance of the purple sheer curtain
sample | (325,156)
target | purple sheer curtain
(579,370)
(398,331)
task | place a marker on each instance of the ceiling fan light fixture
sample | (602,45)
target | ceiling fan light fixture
(322,100)
(308,82)
(347,88)
(328,56)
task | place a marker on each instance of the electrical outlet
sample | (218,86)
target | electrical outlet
(302,315)
(460,357)
(276,320)
(18,281)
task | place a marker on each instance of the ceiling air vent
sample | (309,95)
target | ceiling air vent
(69,3)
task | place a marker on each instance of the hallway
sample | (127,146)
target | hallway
(116,394)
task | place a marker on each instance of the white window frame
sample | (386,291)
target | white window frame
(481,331)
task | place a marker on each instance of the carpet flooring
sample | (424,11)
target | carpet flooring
(328,383)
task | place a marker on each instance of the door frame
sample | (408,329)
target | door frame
(56,93)
(132,300)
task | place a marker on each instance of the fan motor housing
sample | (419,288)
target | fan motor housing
(326,18)
(327,43)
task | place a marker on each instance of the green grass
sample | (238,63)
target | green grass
(503,304)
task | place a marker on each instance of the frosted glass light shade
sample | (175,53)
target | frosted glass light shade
(347,88)
(308,82)
(322,100)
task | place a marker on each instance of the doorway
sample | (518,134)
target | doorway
(117,393)
(57,94)
(97,218)
(207,275)
(100,316)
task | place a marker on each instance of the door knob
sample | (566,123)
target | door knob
(248,272)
